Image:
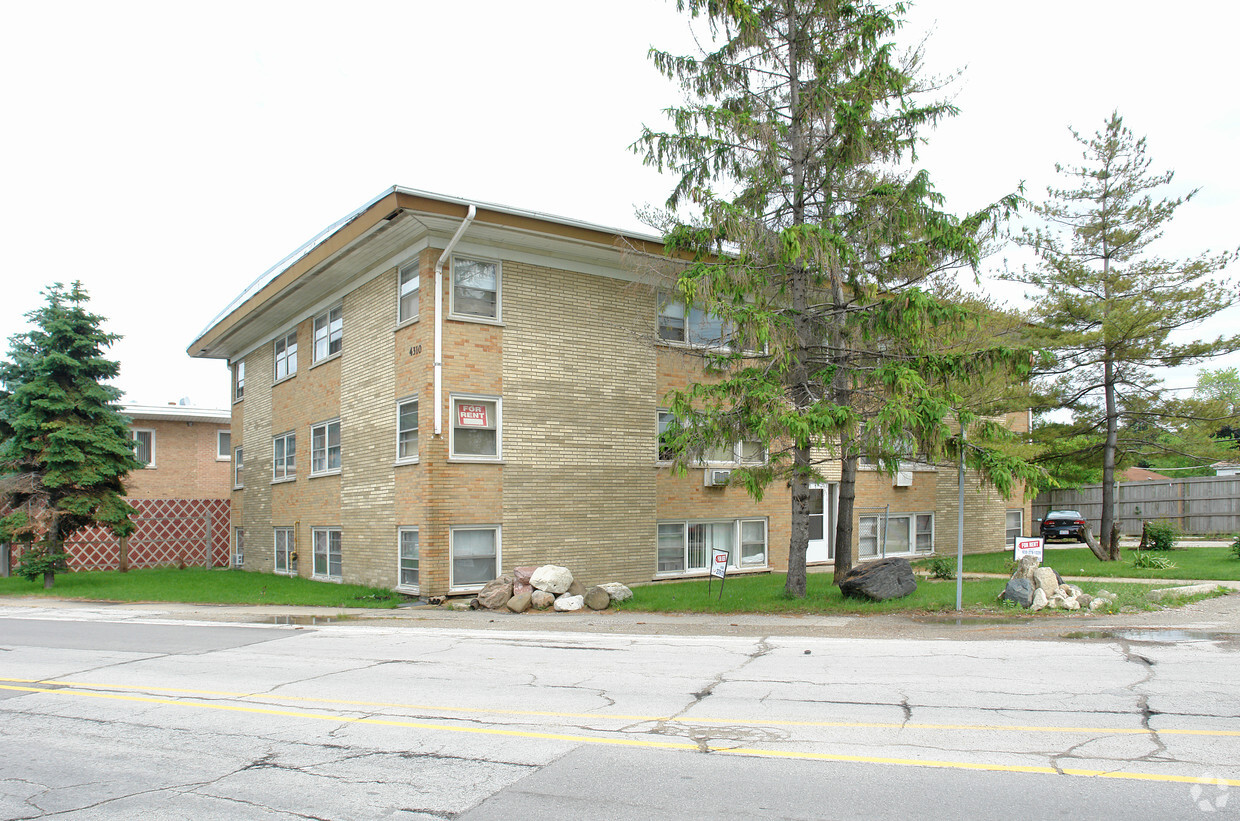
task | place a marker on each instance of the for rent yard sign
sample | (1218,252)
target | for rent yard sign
(1028,547)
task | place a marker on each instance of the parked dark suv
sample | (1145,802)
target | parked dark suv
(1063,524)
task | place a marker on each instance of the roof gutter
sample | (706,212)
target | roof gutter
(438,353)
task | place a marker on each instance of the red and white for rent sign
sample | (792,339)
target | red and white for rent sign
(471,415)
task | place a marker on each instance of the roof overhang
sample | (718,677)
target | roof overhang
(176,413)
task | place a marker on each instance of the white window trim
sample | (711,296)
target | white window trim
(314,574)
(238,381)
(276,378)
(291,558)
(736,567)
(409,460)
(498,319)
(329,471)
(912,534)
(499,555)
(737,460)
(288,476)
(238,464)
(226,456)
(415,265)
(238,547)
(133,434)
(314,337)
(408,588)
(453,456)
(1007,539)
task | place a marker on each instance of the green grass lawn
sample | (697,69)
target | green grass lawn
(765,594)
(1208,563)
(199,585)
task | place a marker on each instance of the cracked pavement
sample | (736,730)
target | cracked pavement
(116,712)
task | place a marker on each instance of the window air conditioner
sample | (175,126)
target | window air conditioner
(903,478)
(717,478)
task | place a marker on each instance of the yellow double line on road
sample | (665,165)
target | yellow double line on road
(46,686)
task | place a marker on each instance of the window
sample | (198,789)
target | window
(144,450)
(239,381)
(407,430)
(237,481)
(692,325)
(686,547)
(475,288)
(238,557)
(327,553)
(903,533)
(325,448)
(286,355)
(740,453)
(410,284)
(925,533)
(475,428)
(475,555)
(409,558)
(328,333)
(286,551)
(223,445)
(284,462)
(1015,526)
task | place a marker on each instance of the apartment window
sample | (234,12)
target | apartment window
(687,547)
(924,536)
(144,449)
(325,448)
(223,445)
(738,453)
(902,533)
(328,333)
(410,284)
(1015,526)
(238,556)
(690,324)
(286,355)
(475,288)
(475,428)
(408,537)
(284,462)
(286,551)
(237,480)
(407,430)
(327,553)
(475,555)
(239,381)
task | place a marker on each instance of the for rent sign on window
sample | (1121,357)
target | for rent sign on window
(471,415)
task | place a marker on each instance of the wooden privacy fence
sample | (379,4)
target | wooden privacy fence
(1197,504)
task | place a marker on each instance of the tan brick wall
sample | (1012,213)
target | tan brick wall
(185,463)
(255,411)
(985,514)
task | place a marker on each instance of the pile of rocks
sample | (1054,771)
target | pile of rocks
(546,587)
(1035,587)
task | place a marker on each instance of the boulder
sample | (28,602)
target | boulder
(541,599)
(460,604)
(1046,579)
(1073,590)
(879,581)
(576,588)
(1039,600)
(567,603)
(1025,568)
(1019,591)
(1084,600)
(617,591)
(521,580)
(495,593)
(1098,603)
(596,598)
(552,578)
(520,602)
(1185,590)
(1071,603)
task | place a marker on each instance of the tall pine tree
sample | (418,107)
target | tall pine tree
(1108,309)
(809,244)
(66,448)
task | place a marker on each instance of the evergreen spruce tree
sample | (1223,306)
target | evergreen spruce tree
(811,253)
(66,448)
(1107,309)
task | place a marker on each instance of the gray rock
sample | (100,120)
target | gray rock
(541,599)
(1019,591)
(1186,590)
(1025,568)
(567,603)
(1046,579)
(879,581)
(576,588)
(460,604)
(617,591)
(495,593)
(1039,600)
(1098,603)
(1071,603)
(520,602)
(596,598)
(521,580)
(1084,600)
(552,578)
(1073,590)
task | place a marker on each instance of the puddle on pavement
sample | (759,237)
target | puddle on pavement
(961,621)
(300,620)
(1152,636)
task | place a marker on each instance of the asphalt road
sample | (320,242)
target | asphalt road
(126,712)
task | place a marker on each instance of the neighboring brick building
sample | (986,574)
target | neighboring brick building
(555,358)
(181,496)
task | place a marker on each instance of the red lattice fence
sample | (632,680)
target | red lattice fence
(169,531)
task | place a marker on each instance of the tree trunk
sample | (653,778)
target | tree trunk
(1093,545)
(798,542)
(1109,531)
(122,561)
(844,514)
(49,578)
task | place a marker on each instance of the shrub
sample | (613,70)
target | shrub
(1161,535)
(1149,561)
(942,568)
(1235,546)
(39,559)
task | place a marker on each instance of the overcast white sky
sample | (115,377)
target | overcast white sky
(166,153)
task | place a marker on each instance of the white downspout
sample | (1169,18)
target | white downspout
(469,217)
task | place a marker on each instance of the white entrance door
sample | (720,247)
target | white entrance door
(822,523)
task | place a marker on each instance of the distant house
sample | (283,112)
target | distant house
(181,495)
(1226,468)
(1143,475)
